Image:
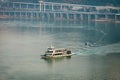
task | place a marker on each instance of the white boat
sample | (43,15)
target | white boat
(52,52)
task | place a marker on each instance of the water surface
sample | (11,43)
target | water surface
(23,41)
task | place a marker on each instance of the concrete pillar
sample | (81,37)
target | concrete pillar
(118,10)
(61,16)
(32,14)
(84,9)
(89,17)
(40,7)
(44,7)
(20,5)
(35,7)
(27,6)
(108,10)
(54,15)
(37,15)
(3,13)
(26,14)
(43,16)
(13,5)
(67,16)
(61,7)
(48,16)
(96,17)
(106,17)
(115,17)
(14,14)
(9,14)
(52,7)
(75,16)
(20,14)
(81,16)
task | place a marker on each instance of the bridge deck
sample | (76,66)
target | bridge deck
(58,10)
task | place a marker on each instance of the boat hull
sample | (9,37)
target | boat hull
(57,56)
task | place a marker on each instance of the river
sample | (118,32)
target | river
(23,41)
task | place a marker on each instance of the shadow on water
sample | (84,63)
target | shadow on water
(115,54)
(56,60)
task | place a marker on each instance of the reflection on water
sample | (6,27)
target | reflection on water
(22,43)
(56,60)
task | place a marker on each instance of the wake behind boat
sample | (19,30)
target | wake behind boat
(52,52)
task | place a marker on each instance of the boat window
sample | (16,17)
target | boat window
(59,51)
(58,54)
(48,54)
(49,51)
(68,52)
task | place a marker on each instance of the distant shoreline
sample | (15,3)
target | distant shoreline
(96,20)
(3,17)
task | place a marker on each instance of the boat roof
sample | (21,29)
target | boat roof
(58,49)
(53,48)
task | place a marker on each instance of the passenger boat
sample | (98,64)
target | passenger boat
(52,52)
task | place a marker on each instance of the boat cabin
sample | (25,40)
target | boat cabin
(52,52)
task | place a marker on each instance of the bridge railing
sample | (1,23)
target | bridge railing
(61,7)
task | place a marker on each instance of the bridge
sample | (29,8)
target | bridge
(59,11)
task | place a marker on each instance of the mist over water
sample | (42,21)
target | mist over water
(23,41)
